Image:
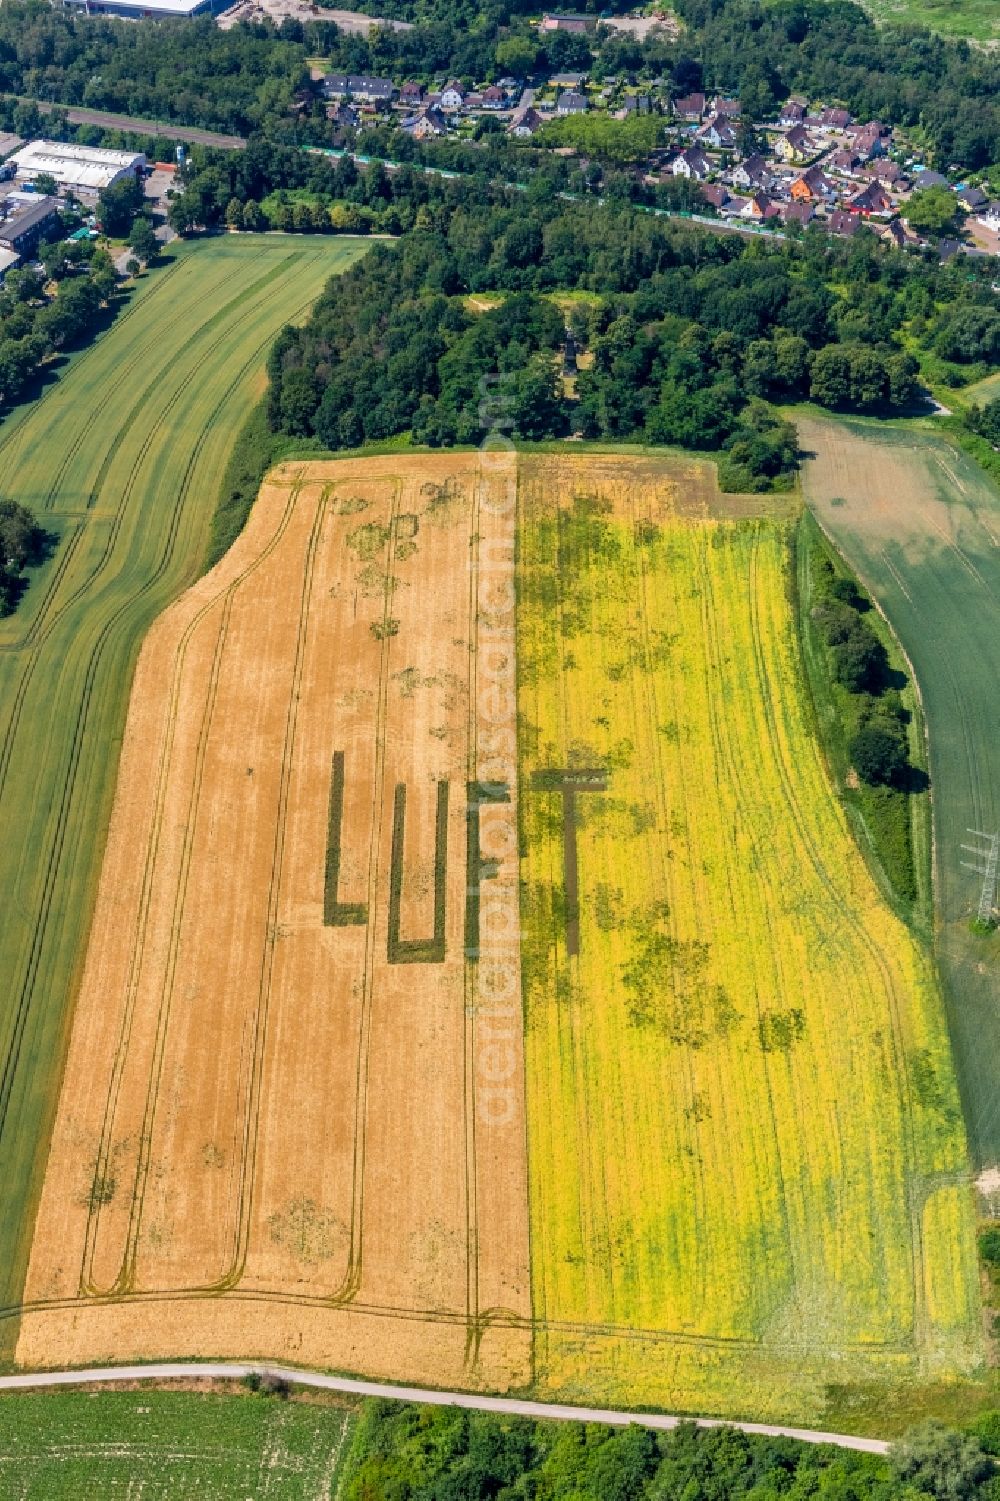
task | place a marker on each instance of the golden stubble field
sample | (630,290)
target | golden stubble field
(292,1123)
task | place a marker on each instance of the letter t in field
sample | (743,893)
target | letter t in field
(569,782)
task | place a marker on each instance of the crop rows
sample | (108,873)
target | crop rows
(746,1151)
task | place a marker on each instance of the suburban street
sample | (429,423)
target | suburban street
(512,1406)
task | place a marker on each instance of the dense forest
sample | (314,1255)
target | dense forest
(404,1453)
(687,338)
(248,78)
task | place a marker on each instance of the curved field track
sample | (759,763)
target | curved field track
(292,1118)
(920,523)
(122,460)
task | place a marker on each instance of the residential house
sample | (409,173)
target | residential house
(844,161)
(429,123)
(714,194)
(358,86)
(871,200)
(989,217)
(798,213)
(812,186)
(718,133)
(635,104)
(568,80)
(734,206)
(411,95)
(926,178)
(692,164)
(453,97)
(752,173)
(731,108)
(495,98)
(841,222)
(344,116)
(889,174)
(525,122)
(868,141)
(835,119)
(691,107)
(576,23)
(756,207)
(896,233)
(796,145)
(571,103)
(792,113)
(972,199)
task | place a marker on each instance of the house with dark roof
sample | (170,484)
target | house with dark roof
(796,145)
(359,86)
(572,103)
(835,119)
(793,112)
(841,222)
(719,133)
(754,172)
(871,200)
(525,122)
(426,125)
(692,164)
(715,194)
(690,107)
(26,225)
(453,96)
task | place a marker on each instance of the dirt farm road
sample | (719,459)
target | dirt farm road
(511,1405)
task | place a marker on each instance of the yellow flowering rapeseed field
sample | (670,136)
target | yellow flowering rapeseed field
(747,1162)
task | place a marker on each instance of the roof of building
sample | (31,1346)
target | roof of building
(26,217)
(153,7)
(83,166)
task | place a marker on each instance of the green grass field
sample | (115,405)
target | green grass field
(122,459)
(978,20)
(920,524)
(169,1446)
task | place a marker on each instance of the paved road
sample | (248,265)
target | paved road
(141,127)
(509,1405)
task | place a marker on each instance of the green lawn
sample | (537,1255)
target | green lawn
(147,1445)
(920,524)
(979,20)
(122,458)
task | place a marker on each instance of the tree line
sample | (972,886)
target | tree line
(412,1453)
(36,324)
(688,338)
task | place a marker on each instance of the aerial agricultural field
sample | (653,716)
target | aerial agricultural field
(920,523)
(747,1162)
(171,1445)
(484,988)
(292,1119)
(976,20)
(122,461)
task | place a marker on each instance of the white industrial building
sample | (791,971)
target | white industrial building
(138,10)
(81,168)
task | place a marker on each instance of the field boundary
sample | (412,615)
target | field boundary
(470,1401)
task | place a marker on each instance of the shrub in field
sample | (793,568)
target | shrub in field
(878,754)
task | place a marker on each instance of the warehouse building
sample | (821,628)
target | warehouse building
(80,168)
(140,10)
(26,222)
